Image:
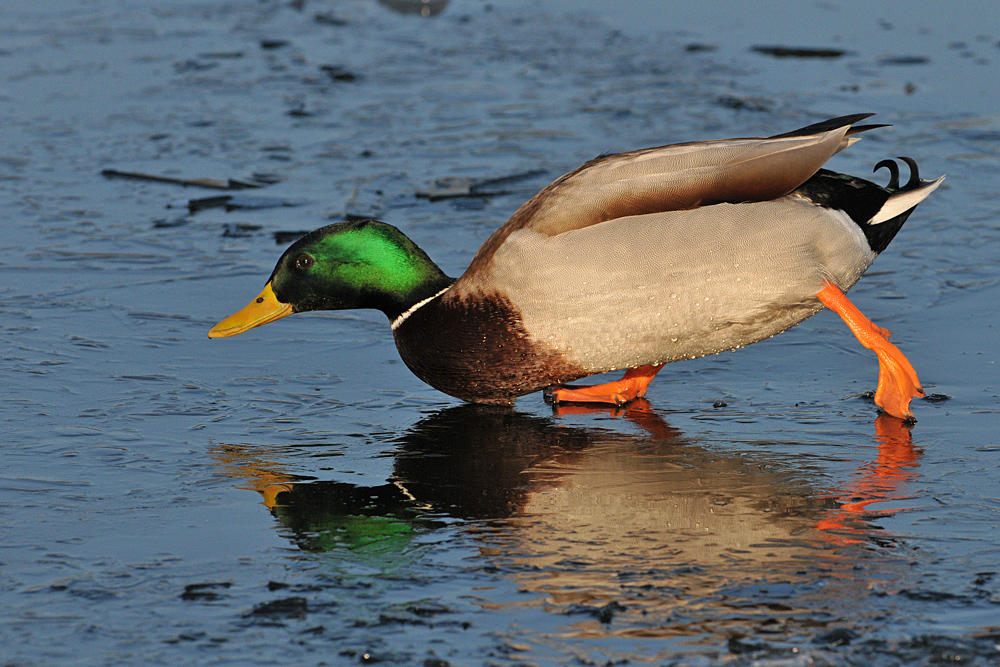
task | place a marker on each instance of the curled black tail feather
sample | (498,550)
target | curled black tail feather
(893,168)
(914,181)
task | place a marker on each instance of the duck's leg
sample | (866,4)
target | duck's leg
(632,385)
(897,381)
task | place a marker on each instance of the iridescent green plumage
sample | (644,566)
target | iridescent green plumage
(365,264)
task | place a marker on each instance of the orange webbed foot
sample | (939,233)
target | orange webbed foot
(632,385)
(898,383)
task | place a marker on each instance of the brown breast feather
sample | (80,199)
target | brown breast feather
(476,349)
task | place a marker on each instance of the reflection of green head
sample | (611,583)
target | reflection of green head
(376,534)
(365,264)
(373,526)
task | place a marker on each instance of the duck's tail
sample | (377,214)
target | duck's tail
(902,199)
(883,225)
(878,211)
(850,136)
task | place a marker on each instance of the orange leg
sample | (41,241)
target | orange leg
(897,381)
(633,385)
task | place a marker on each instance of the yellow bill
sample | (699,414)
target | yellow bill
(265,308)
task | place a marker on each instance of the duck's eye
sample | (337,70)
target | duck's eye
(303,262)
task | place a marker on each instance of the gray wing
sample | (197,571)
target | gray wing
(677,177)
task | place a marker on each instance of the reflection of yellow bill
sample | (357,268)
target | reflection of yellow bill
(265,308)
(258,474)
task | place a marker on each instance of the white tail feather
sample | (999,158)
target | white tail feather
(847,141)
(904,201)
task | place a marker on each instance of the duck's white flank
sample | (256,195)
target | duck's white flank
(412,309)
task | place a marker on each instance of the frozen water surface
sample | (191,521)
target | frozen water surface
(295,496)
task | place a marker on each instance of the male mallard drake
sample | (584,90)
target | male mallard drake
(630,262)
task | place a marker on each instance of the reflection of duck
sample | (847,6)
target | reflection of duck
(631,261)
(466,462)
(596,496)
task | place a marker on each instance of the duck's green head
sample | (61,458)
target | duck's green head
(342,266)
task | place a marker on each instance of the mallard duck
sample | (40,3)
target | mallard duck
(630,262)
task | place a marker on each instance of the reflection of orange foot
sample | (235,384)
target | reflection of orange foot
(632,385)
(565,409)
(897,381)
(877,482)
(895,449)
(640,412)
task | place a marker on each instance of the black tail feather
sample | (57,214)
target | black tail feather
(893,168)
(858,129)
(827,125)
(914,181)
